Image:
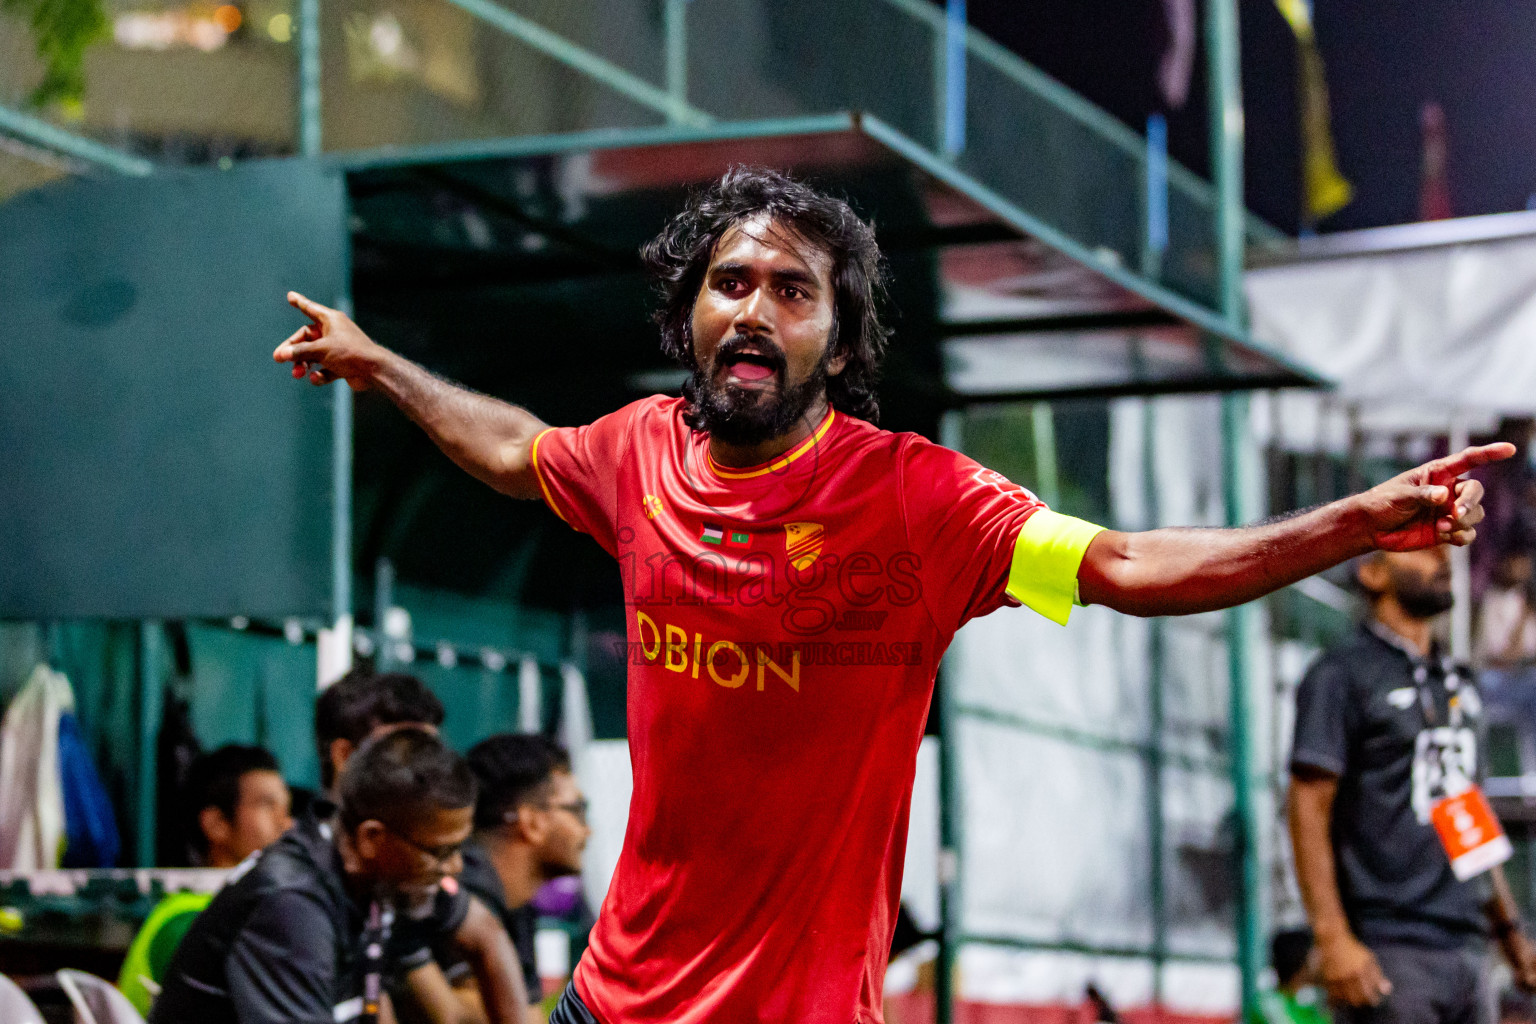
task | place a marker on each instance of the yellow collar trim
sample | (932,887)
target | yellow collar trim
(777,464)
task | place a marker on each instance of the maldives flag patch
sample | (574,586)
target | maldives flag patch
(719,535)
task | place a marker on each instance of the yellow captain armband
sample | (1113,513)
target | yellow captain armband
(1046,557)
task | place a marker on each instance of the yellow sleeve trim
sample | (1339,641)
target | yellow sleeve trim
(544,488)
(1046,557)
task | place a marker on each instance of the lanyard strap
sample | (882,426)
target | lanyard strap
(1452,678)
(381,920)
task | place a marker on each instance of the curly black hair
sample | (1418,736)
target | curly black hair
(679,256)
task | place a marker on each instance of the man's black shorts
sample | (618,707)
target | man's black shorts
(571,1010)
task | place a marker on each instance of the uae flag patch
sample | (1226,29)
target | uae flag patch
(719,535)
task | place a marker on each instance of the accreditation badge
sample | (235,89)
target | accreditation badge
(1473,838)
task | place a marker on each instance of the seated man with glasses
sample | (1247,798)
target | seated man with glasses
(359,706)
(303,934)
(530,828)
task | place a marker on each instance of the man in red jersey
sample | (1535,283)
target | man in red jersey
(792,576)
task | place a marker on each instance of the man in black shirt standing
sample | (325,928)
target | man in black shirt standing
(300,935)
(1386,726)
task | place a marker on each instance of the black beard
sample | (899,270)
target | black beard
(743,417)
(1425,602)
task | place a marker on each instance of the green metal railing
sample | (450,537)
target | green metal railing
(1170,748)
(956,94)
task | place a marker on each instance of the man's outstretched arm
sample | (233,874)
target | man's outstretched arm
(488,438)
(1180,571)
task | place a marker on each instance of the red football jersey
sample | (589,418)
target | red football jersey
(784,627)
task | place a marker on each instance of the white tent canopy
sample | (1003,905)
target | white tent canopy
(1416,324)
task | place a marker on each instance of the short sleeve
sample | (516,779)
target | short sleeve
(966,522)
(522,926)
(1323,719)
(282,965)
(414,942)
(577,469)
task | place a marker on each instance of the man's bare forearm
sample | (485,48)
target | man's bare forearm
(1182,571)
(1502,910)
(493,959)
(488,438)
(439,1001)
(1309,814)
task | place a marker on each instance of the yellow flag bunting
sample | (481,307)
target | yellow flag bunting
(1326,190)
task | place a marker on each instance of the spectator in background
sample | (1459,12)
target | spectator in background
(1386,726)
(1295,999)
(1506,640)
(302,936)
(238,804)
(355,708)
(530,828)
(360,703)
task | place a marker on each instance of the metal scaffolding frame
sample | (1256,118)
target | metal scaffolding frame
(954,43)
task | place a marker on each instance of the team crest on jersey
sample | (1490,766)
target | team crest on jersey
(652,506)
(802,543)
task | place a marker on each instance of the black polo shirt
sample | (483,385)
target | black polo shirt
(480,880)
(281,943)
(278,945)
(1398,731)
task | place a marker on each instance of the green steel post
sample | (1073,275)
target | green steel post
(1152,513)
(341,501)
(341,494)
(554,45)
(40,133)
(1234,408)
(951,829)
(150,656)
(1042,424)
(676,26)
(1226,103)
(309,78)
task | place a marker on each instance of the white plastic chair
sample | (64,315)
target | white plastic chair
(15,1006)
(96,1000)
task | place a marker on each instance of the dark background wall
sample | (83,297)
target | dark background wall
(1384,60)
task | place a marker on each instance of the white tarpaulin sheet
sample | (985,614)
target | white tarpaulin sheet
(1411,333)
(1053,728)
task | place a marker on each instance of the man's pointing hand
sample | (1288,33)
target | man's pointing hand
(331,346)
(1431,504)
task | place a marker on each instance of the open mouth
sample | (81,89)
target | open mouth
(748,368)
